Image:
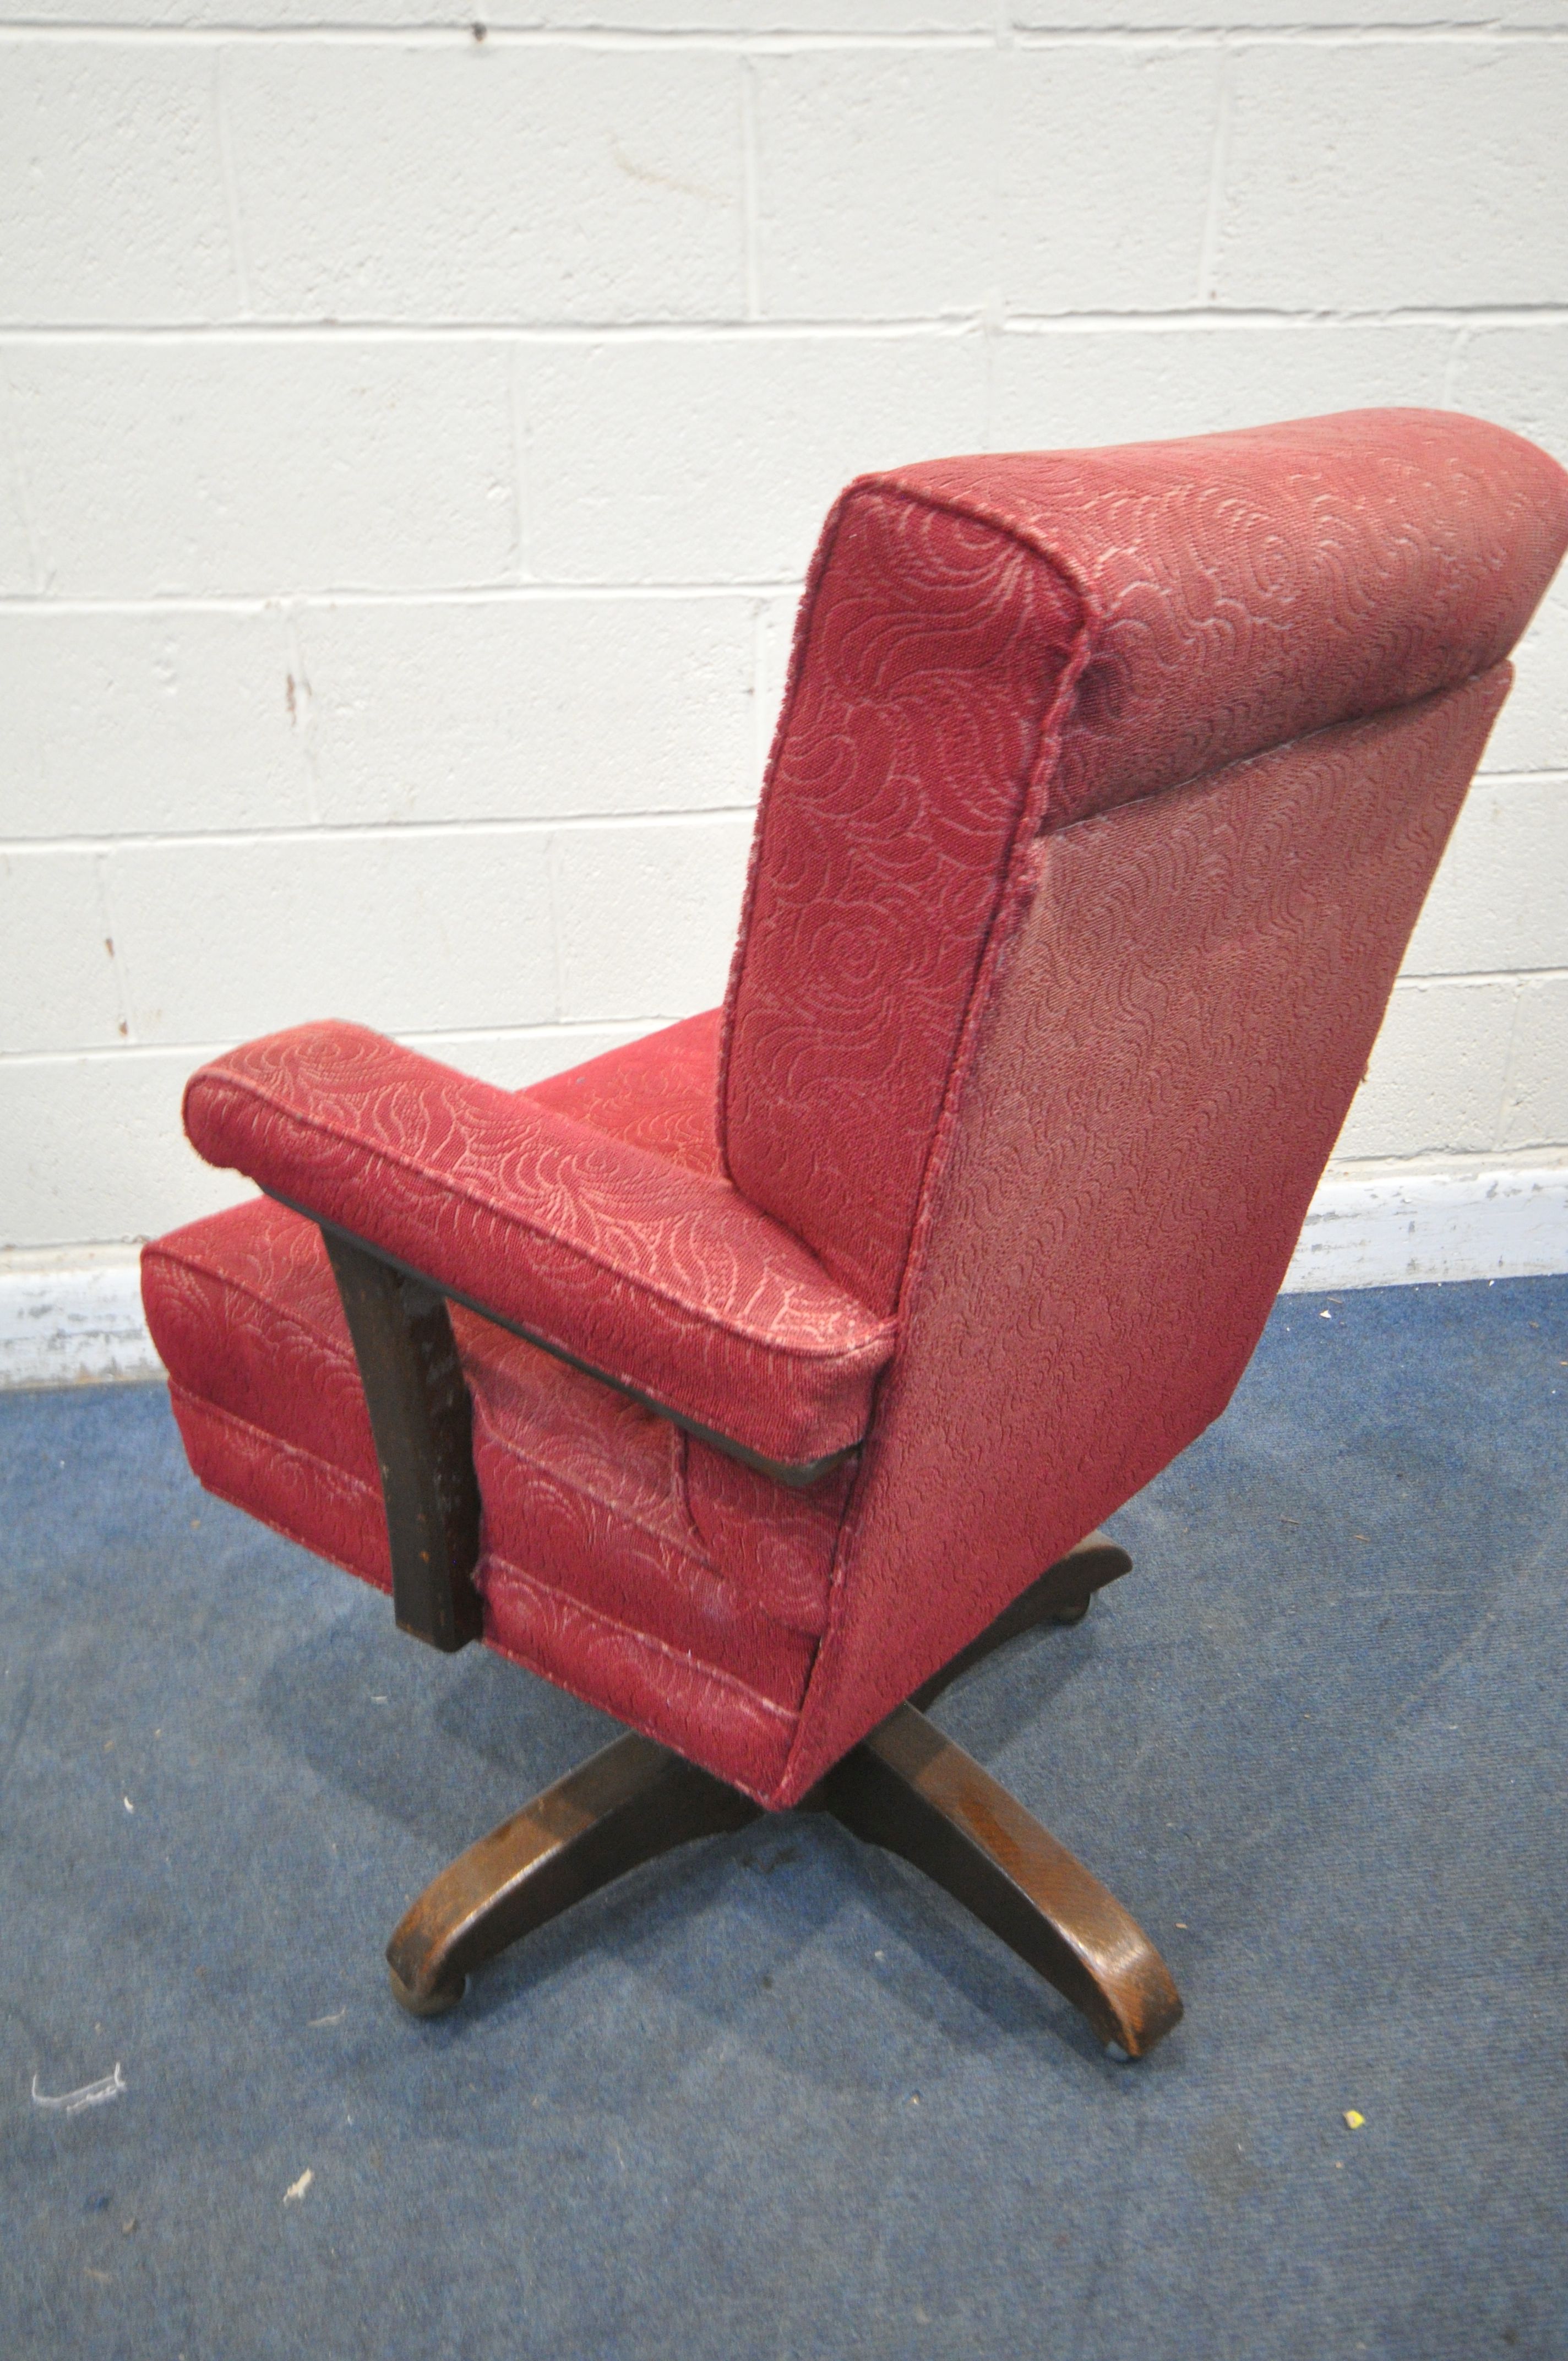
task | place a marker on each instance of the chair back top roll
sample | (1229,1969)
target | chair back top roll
(993,646)
(1238,590)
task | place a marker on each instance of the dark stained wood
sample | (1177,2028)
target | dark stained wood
(910,1789)
(422,1424)
(799,1474)
(906,1788)
(1061,1595)
(626,1805)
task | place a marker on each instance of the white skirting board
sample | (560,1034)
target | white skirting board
(75,1317)
(1409,1230)
(72,1317)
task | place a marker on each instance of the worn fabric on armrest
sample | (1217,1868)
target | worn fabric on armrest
(661,1279)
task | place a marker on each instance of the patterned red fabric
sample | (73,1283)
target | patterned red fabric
(664,1278)
(656,1093)
(928,650)
(300,1494)
(703,1712)
(592,1513)
(1105,795)
(1186,1008)
(991,643)
(244,1310)
(1242,589)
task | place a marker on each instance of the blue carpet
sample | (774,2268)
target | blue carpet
(774,2095)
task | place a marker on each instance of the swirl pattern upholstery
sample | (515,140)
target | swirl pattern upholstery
(665,1279)
(1106,792)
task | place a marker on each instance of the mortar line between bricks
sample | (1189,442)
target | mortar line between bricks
(1219,160)
(552,1029)
(1415,980)
(302,702)
(764,701)
(230,178)
(324,601)
(1505,1089)
(1450,1162)
(949,326)
(751,192)
(545,1029)
(372,831)
(503,332)
(552,898)
(1453,365)
(1434,34)
(392,831)
(602,42)
(610,41)
(113,945)
(328,600)
(521,486)
(1466,979)
(1238,318)
(1479,976)
(12,442)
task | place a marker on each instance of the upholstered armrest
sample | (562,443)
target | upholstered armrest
(665,1281)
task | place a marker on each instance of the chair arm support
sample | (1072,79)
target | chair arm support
(665,1283)
(421,1420)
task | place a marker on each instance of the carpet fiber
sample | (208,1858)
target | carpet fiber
(775,2095)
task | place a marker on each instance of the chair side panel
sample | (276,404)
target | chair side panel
(1172,1042)
(930,649)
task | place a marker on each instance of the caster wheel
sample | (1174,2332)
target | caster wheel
(1073,1614)
(433,2003)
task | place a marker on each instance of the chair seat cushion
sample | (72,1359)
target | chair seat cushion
(659,1093)
(631,1563)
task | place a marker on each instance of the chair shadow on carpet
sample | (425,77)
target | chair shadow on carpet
(440,1750)
(1194,1740)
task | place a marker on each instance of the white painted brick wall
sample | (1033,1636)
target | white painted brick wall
(531,707)
(1378,186)
(238,465)
(901,183)
(479,182)
(411,445)
(698,460)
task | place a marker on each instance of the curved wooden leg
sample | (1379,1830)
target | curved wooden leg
(626,1805)
(908,1789)
(1061,1595)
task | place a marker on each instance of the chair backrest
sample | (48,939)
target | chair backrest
(1105,795)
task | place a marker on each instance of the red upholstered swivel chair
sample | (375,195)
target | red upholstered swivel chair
(800,1338)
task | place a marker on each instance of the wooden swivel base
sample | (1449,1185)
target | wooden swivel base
(905,1788)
